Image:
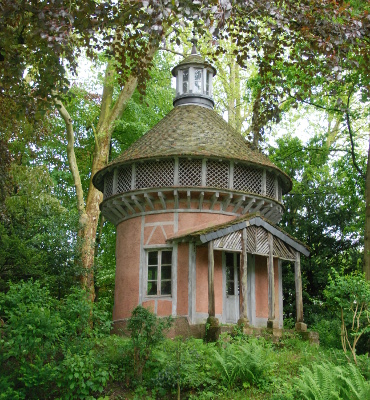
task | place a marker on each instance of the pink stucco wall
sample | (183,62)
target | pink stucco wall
(218,282)
(128,266)
(128,262)
(182,278)
(261,287)
(126,293)
(193,221)
(202,280)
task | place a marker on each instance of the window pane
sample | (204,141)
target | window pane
(198,81)
(229,259)
(229,273)
(165,287)
(230,288)
(166,272)
(198,74)
(167,257)
(152,273)
(185,79)
(152,288)
(153,258)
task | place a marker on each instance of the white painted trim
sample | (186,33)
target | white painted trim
(176,172)
(157,247)
(150,235)
(142,264)
(204,172)
(174,279)
(164,223)
(192,282)
(231,175)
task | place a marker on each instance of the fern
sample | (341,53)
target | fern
(241,362)
(326,381)
(354,386)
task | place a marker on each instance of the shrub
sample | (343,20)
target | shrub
(349,297)
(184,365)
(147,331)
(47,347)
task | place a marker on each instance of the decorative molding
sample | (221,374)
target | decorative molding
(148,201)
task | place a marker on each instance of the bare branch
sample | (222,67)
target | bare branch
(348,121)
(71,154)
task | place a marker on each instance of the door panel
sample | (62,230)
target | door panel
(231,262)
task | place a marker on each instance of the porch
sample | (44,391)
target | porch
(242,241)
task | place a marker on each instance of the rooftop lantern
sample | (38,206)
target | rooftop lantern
(194,80)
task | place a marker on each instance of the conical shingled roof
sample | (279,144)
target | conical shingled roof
(193,59)
(192,130)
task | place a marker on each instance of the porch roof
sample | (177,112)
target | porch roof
(218,231)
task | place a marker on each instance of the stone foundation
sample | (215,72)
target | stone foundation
(181,327)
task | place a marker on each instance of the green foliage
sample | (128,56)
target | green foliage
(184,365)
(325,210)
(47,346)
(81,374)
(38,236)
(326,381)
(349,297)
(245,363)
(146,333)
(328,330)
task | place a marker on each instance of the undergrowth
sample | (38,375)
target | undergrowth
(48,349)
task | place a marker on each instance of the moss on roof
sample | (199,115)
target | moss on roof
(192,130)
(194,59)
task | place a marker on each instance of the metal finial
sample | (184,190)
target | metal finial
(194,40)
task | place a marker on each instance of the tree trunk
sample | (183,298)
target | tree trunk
(367,219)
(89,212)
(103,136)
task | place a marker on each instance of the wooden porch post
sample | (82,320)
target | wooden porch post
(271,283)
(211,281)
(300,326)
(243,319)
(213,331)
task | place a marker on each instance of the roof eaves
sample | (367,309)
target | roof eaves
(220,230)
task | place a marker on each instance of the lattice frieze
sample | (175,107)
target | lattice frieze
(108,185)
(251,239)
(155,174)
(217,174)
(282,250)
(124,179)
(270,185)
(262,241)
(229,242)
(247,179)
(190,172)
(257,243)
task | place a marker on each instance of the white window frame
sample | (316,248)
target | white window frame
(159,271)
